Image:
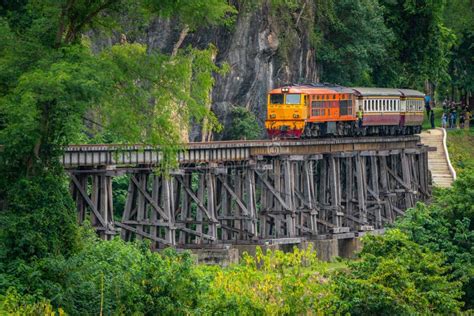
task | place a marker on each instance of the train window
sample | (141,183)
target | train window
(293,98)
(345,107)
(276,98)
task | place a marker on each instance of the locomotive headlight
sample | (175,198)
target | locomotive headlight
(296,115)
(285,89)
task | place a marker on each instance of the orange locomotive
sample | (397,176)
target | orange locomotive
(304,111)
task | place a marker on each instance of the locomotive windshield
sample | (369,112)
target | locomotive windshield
(293,98)
(276,98)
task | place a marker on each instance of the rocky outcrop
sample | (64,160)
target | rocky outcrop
(265,47)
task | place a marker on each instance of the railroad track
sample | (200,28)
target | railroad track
(221,151)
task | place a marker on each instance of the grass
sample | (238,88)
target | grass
(337,265)
(461,148)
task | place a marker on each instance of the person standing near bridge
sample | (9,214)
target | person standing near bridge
(432,119)
(427,105)
(444,119)
(359,117)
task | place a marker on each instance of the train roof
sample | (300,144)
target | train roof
(360,91)
(411,93)
(313,89)
(363,91)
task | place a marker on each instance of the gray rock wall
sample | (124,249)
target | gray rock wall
(265,47)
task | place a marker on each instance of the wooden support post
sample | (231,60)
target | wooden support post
(349,190)
(141,203)
(127,211)
(374,174)
(406,173)
(211,203)
(386,192)
(361,189)
(277,206)
(251,203)
(185,206)
(200,196)
(155,195)
(288,185)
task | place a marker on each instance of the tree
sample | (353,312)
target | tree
(420,49)
(271,283)
(446,226)
(50,79)
(353,39)
(244,125)
(396,276)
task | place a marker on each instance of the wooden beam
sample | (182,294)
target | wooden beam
(149,199)
(88,201)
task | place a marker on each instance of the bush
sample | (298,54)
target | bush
(115,277)
(446,226)
(244,125)
(14,304)
(396,276)
(274,283)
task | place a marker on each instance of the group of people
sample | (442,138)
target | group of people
(450,117)
(454,113)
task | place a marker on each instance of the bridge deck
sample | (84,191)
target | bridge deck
(121,155)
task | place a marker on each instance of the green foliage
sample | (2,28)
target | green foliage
(396,276)
(393,43)
(14,304)
(421,46)
(446,226)
(271,283)
(244,125)
(119,191)
(117,278)
(461,149)
(194,13)
(31,227)
(49,80)
(459,16)
(353,40)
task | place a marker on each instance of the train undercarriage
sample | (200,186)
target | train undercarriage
(351,128)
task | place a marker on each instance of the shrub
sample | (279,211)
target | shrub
(115,277)
(271,283)
(396,276)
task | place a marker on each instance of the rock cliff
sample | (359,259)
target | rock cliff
(265,47)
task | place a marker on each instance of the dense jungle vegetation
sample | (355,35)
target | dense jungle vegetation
(50,78)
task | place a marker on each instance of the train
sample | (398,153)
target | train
(322,110)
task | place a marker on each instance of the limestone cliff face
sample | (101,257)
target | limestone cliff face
(265,47)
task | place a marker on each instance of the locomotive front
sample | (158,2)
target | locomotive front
(286,112)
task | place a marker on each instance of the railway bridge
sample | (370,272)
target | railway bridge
(251,192)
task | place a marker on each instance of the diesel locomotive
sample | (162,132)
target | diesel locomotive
(319,110)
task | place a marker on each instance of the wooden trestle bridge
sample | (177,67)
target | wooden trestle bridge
(251,191)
